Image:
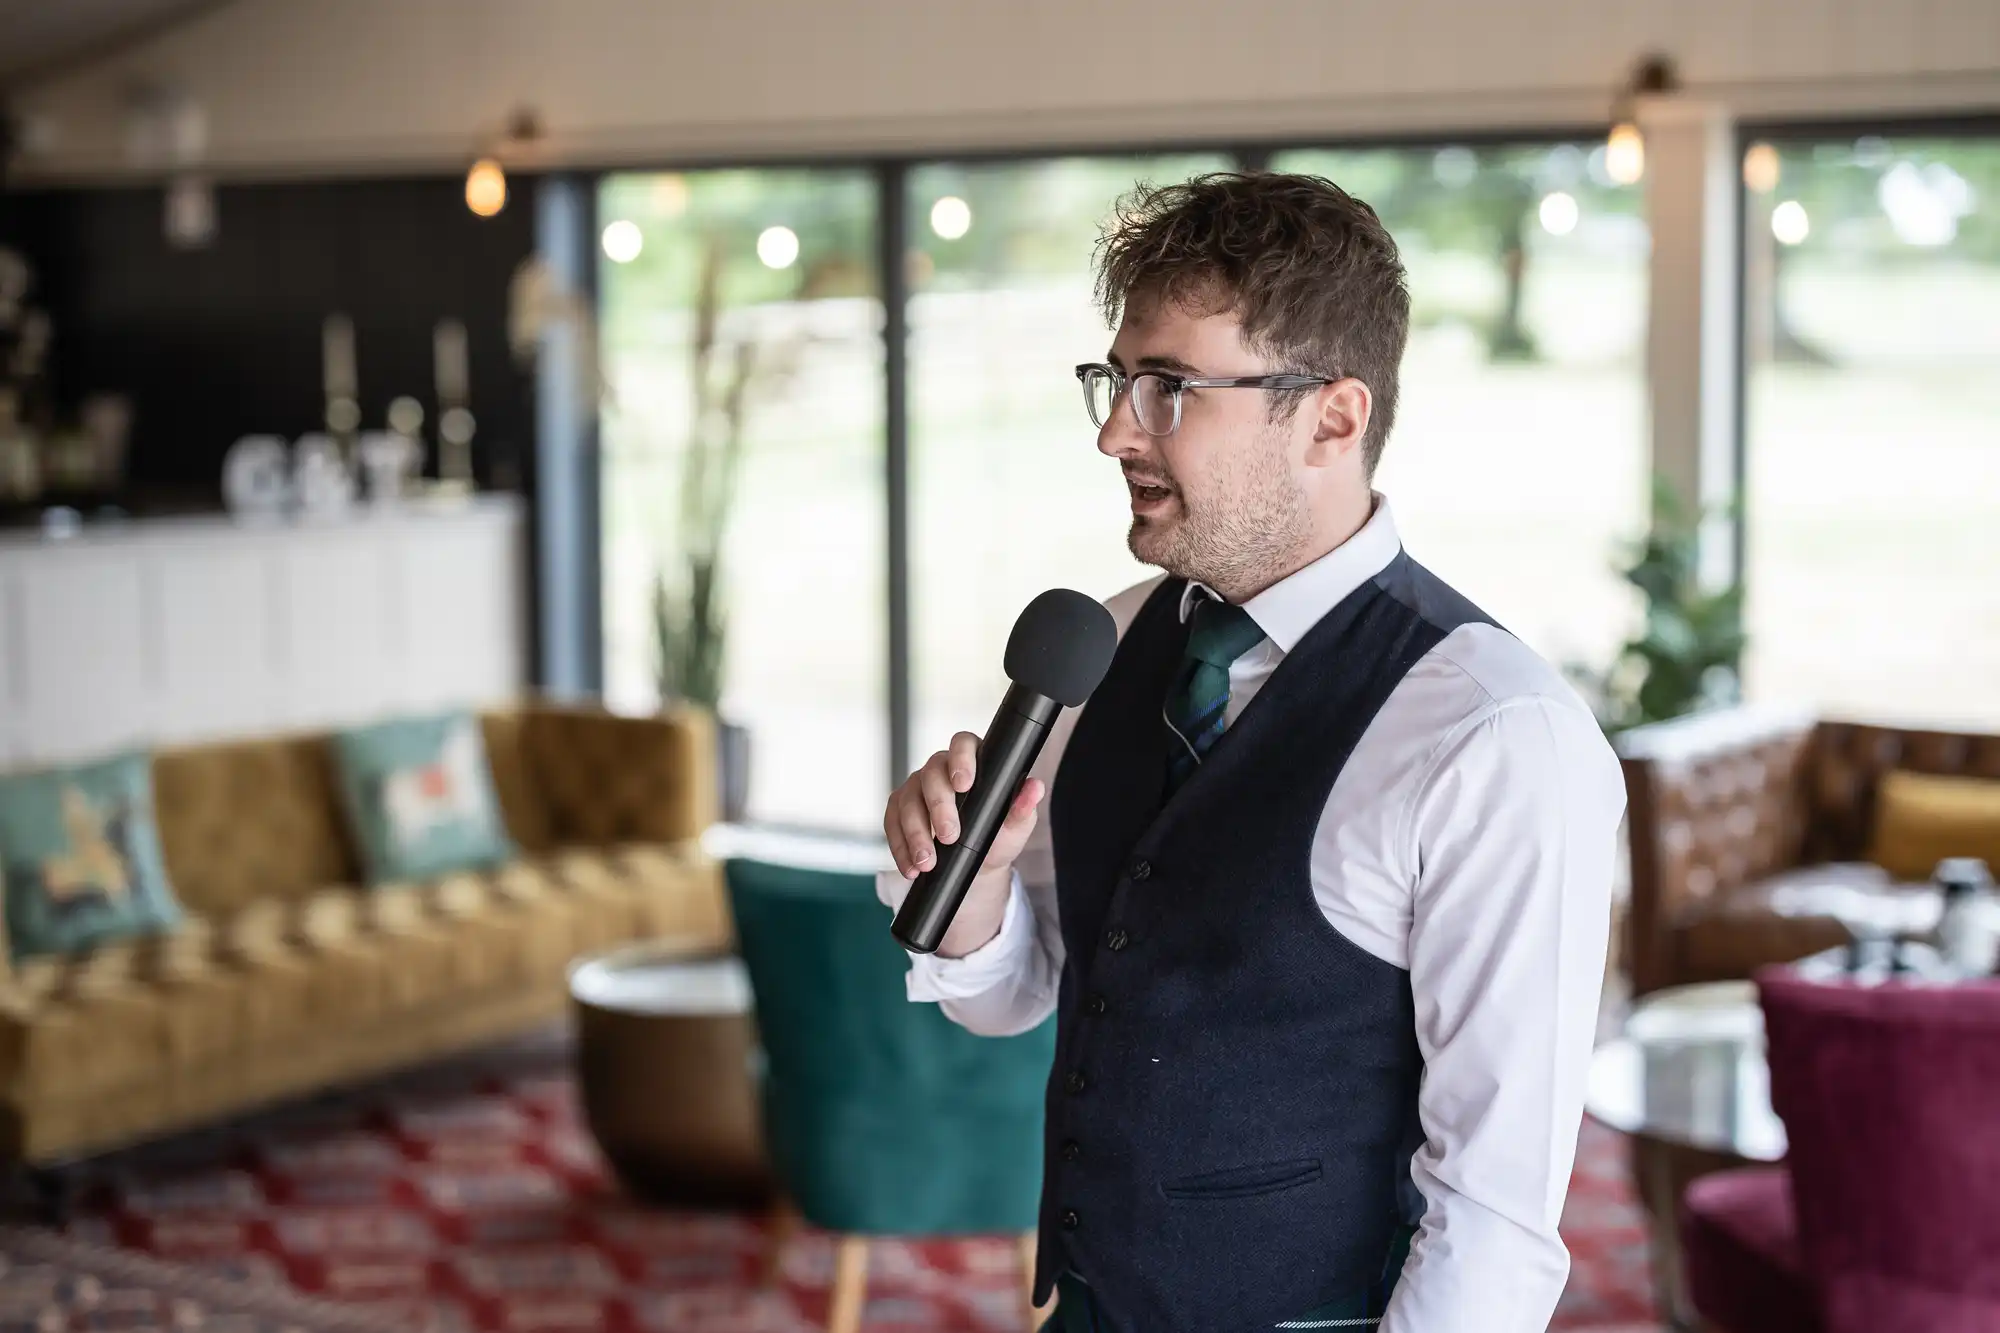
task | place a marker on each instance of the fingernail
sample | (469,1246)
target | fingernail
(960,775)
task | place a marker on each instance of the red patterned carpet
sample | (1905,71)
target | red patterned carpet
(468,1199)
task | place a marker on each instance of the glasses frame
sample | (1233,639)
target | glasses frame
(1174,384)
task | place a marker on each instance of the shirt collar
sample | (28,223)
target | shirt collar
(1295,603)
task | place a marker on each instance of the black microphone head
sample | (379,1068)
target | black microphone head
(1061,646)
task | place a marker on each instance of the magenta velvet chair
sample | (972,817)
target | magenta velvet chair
(1886,1214)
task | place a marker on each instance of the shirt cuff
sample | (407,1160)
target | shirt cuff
(934,978)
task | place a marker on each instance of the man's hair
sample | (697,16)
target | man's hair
(1308,269)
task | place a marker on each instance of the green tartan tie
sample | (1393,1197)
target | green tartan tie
(1196,709)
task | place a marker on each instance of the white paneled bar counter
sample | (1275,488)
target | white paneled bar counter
(156,631)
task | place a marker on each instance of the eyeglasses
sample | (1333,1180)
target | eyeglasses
(1156,395)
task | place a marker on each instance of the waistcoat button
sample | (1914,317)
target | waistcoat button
(1116,940)
(1070,1220)
(1142,870)
(1094,1005)
(1075,1081)
(1070,1151)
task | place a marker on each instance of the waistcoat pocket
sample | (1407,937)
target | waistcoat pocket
(1242,1182)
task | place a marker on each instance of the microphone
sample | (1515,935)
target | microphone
(1059,650)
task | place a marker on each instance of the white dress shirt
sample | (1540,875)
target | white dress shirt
(1469,839)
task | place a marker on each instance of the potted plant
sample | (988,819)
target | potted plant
(1688,654)
(755,359)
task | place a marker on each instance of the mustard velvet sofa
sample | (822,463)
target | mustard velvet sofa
(289,975)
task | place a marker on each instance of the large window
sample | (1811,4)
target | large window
(743,550)
(1517,466)
(1009,495)
(1872,280)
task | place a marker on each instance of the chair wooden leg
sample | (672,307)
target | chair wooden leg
(780,1227)
(1034,1316)
(850,1285)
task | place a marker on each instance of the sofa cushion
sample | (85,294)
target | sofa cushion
(419,794)
(608,779)
(62,1039)
(515,780)
(1792,914)
(1745,1273)
(250,820)
(1923,818)
(80,856)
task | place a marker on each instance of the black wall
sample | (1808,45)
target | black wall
(224,341)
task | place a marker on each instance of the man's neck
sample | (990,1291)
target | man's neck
(1327,537)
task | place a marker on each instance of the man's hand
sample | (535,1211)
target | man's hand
(925,808)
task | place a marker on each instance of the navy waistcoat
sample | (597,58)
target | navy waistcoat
(1233,1104)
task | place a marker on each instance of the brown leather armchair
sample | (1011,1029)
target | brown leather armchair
(1748,830)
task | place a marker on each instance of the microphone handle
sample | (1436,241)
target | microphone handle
(1006,754)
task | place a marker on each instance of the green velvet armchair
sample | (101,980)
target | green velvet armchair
(883,1117)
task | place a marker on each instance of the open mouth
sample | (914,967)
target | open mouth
(1144,493)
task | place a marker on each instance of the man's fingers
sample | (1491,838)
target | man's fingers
(916,825)
(963,760)
(898,849)
(941,799)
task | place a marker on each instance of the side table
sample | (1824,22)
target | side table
(666,1047)
(1687,1081)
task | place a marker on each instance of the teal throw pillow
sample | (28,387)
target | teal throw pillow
(80,853)
(419,793)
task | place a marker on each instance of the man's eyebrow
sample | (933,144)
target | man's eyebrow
(1173,363)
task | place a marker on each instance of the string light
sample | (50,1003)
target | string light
(951,217)
(778,247)
(623,241)
(1559,213)
(1789,222)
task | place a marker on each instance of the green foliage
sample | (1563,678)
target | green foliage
(728,370)
(1689,652)
(702,227)
(690,627)
(1844,185)
(1473,201)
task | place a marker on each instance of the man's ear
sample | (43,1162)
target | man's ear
(1340,423)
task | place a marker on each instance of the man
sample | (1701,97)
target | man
(1322,896)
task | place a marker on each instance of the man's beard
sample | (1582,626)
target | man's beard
(1236,538)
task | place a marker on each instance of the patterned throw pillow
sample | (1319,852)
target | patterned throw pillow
(80,853)
(419,793)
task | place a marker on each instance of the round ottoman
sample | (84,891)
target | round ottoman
(665,1065)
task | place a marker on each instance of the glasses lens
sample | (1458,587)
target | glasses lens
(1153,404)
(1098,391)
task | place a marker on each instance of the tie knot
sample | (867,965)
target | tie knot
(1221,633)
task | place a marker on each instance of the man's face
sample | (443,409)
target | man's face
(1219,500)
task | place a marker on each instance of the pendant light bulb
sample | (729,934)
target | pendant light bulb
(486,187)
(1625,154)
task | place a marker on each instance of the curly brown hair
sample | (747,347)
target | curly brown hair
(1308,269)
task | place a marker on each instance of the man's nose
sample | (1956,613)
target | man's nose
(1121,436)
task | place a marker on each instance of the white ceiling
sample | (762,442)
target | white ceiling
(39,37)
